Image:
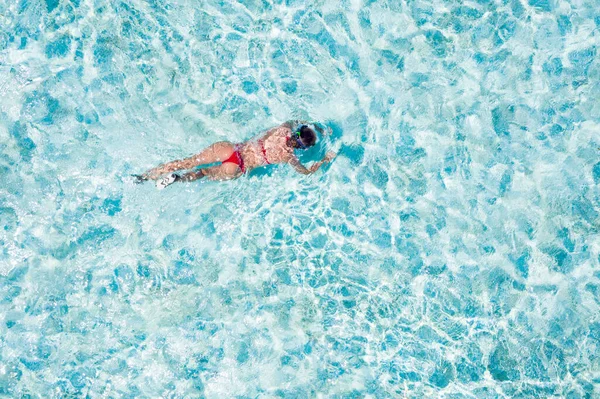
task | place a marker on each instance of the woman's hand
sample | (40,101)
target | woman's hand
(329,156)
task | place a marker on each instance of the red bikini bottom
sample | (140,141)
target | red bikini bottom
(236,158)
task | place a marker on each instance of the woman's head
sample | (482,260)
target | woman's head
(304,138)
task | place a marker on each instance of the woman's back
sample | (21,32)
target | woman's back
(268,148)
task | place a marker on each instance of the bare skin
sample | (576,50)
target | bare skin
(277,144)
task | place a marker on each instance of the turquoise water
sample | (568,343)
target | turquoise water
(451,250)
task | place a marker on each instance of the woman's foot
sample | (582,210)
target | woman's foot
(139,179)
(167,181)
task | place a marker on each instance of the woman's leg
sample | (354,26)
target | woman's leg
(215,153)
(191,176)
(225,171)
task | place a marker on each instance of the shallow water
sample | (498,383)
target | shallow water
(451,250)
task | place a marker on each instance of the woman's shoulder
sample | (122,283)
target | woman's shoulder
(276,132)
(284,128)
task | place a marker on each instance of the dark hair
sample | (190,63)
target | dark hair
(307,136)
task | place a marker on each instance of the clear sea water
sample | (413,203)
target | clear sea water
(450,251)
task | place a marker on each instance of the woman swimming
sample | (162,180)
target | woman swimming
(276,146)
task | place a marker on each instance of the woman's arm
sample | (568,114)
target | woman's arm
(296,164)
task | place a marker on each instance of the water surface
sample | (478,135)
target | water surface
(451,250)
